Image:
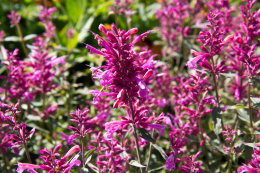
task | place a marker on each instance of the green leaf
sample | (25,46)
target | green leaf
(73,10)
(253,145)
(136,164)
(30,36)
(243,115)
(87,155)
(12,38)
(228,75)
(88,159)
(157,147)
(217,118)
(236,107)
(84,33)
(93,167)
(84,170)
(256,101)
(33,118)
(145,135)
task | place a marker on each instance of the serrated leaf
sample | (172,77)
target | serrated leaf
(30,36)
(243,115)
(12,38)
(216,118)
(145,135)
(157,147)
(256,101)
(84,170)
(136,164)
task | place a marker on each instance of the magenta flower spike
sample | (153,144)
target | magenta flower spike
(14,17)
(123,75)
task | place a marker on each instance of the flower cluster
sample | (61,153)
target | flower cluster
(122,75)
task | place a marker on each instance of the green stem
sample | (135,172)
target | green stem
(21,39)
(83,151)
(216,88)
(250,108)
(149,156)
(25,147)
(135,134)
(230,164)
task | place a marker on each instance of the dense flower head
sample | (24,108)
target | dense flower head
(81,119)
(46,13)
(45,17)
(18,78)
(15,18)
(122,75)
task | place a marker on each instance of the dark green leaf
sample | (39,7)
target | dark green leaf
(157,147)
(136,164)
(217,118)
(145,135)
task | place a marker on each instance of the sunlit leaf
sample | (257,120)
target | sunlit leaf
(157,147)
(217,118)
(136,164)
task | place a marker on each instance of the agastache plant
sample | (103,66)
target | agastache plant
(15,19)
(123,76)
(244,48)
(81,119)
(20,128)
